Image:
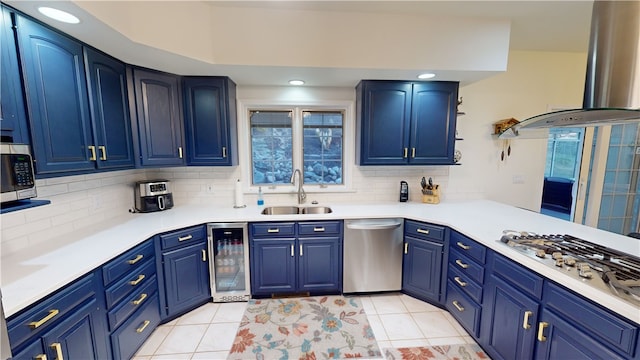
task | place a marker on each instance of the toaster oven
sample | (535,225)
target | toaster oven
(16,171)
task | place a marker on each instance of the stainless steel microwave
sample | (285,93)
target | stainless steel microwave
(18,181)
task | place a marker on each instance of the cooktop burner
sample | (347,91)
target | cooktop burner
(596,265)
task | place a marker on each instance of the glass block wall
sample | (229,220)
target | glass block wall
(620,201)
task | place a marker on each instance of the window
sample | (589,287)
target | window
(309,139)
(563,152)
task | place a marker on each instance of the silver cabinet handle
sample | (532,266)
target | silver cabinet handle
(185,238)
(422,231)
(463,246)
(318,229)
(292,251)
(180,152)
(459,281)
(224,151)
(458,306)
(276,230)
(301,250)
(204,255)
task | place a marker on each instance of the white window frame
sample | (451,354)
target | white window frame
(348,146)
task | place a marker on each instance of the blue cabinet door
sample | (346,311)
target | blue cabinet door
(320,264)
(159,118)
(210,120)
(78,336)
(508,325)
(273,266)
(433,123)
(109,110)
(383,122)
(422,269)
(186,277)
(56,94)
(13,118)
(558,339)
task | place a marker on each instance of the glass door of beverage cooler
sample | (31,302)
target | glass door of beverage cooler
(229,265)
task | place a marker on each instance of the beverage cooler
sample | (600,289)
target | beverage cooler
(229,261)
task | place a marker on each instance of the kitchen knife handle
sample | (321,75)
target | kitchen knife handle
(58,349)
(543,325)
(461,264)
(525,321)
(463,246)
(93,152)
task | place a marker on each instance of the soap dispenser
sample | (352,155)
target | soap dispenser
(260,200)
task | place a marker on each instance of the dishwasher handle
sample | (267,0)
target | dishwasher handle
(373,225)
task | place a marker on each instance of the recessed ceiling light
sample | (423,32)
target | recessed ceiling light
(58,15)
(426,76)
(296,82)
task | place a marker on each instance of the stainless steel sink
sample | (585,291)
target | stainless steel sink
(280,210)
(292,210)
(315,210)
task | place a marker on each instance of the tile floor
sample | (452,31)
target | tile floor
(208,332)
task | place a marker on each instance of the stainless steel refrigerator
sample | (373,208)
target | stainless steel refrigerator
(229,261)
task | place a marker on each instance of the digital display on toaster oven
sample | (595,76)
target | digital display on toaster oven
(157,187)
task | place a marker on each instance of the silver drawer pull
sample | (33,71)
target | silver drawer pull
(459,281)
(461,264)
(318,229)
(292,251)
(458,306)
(463,246)
(276,230)
(422,231)
(185,238)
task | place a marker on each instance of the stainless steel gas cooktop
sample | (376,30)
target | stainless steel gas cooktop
(596,265)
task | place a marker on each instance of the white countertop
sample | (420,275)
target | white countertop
(29,276)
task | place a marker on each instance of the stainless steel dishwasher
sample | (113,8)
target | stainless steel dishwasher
(372,255)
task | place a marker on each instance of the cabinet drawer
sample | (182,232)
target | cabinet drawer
(135,301)
(320,228)
(128,338)
(129,283)
(49,311)
(606,326)
(464,283)
(468,246)
(129,261)
(465,310)
(525,280)
(423,231)
(182,237)
(273,229)
(466,266)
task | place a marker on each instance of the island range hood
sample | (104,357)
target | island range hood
(612,87)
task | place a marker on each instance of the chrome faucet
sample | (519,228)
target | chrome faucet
(301,194)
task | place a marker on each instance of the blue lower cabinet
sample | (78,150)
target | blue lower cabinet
(463,308)
(132,334)
(186,279)
(289,264)
(422,269)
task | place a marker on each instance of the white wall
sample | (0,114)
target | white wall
(533,81)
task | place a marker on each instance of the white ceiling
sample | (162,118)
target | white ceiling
(535,25)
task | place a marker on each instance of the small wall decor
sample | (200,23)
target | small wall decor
(500,126)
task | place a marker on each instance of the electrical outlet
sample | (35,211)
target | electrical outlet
(209,188)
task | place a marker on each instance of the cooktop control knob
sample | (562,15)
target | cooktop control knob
(570,261)
(584,270)
(559,262)
(541,254)
(556,255)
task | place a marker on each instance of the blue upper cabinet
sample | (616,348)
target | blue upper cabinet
(13,118)
(210,121)
(56,94)
(405,123)
(109,110)
(159,119)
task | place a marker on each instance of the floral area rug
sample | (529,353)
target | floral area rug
(327,327)
(440,352)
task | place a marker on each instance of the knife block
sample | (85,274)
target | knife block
(431,196)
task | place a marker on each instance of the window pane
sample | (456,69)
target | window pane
(271,147)
(322,153)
